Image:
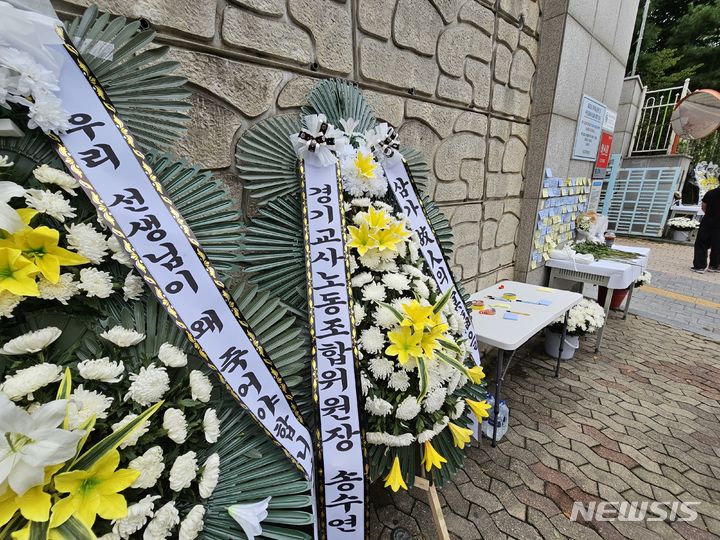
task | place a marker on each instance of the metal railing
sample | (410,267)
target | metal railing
(652,133)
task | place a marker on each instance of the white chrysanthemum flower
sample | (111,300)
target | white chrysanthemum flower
(413,271)
(26,381)
(149,385)
(31,342)
(133,287)
(8,303)
(361,202)
(378,406)
(193,523)
(137,516)
(135,435)
(459,409)
(421,289)
(435,399)
(384,318)
(101,369)
(386,439)
(175,424)
(362,174)
(62,291)
(372,340)
(454,381)
(399,380)
(150,465)
(352,264)
(83,238)
(387,266)
(211,426)
(172,356)
(371,259)
(361,279)
(118,253)
(365,384)
(396,282)
(162,524)
(381,367)
(358,312)
(96,282)
(414,248)
(408,408)
(50,203)
(210,475)
(47,175)
(183,471)
(373,292)
(200,386)
(83,404)
(122,337)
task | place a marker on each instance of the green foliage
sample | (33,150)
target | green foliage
(680,41)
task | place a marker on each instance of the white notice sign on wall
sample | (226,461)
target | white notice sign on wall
(589,128)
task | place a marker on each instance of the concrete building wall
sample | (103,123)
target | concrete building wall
(584,46)
(456,75)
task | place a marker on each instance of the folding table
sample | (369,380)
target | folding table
(532,316)
(604,273)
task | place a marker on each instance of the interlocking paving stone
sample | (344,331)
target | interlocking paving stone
(639,421)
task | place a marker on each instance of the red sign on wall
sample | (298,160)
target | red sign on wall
(603,155)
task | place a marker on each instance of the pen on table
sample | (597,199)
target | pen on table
(510,311)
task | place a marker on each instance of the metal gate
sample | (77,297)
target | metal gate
(637,200)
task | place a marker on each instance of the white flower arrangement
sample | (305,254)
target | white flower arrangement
(587,317)
(644,279)
(156,454)
(683,223)
(414,363)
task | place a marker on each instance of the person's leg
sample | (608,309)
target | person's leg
(715,249)
(702,243)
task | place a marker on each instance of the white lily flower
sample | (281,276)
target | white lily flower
(31,342)
(249,516)
(9,218)
(31,442)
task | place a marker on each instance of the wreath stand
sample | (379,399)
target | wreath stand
(435,507)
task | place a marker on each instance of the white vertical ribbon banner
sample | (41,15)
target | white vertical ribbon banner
(407,195)
(101,153)
(339,439)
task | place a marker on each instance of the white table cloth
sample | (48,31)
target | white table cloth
(621,274)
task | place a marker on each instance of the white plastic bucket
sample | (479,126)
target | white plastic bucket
(681,236)
(552,345)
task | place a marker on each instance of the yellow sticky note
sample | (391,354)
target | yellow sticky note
(533,265)
(546,192)
(545,256)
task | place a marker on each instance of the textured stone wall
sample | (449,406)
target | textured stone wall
(456,75)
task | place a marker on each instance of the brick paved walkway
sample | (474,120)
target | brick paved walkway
(638,422)
(677,296)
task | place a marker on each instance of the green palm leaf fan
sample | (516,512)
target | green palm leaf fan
(150,100)
(252,467)
(339,100)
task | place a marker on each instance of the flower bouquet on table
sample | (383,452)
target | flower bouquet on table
(587,317)
(419,386)
(681,227)
(111,425)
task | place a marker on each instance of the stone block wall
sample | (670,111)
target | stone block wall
(455,75)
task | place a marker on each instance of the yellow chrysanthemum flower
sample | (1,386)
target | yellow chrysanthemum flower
(404,343)
(17,273)
(386,239)
(431,458)
(377,219)
(366,165)
(416,315)
(476,374)
(40,246)
(360,239)
(461,436)
(394,480)
(479,408)
(34,504)
(94,492)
